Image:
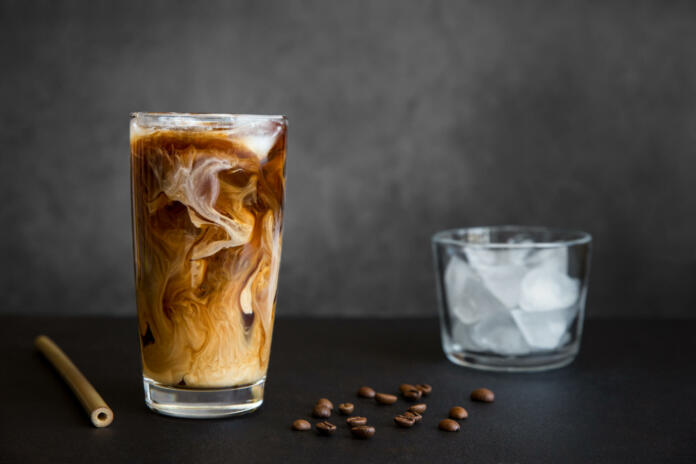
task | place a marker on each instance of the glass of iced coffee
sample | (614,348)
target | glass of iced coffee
(207,203)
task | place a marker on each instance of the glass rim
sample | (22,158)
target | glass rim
(578,237)
(219,120)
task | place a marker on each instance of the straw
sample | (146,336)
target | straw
(99,412)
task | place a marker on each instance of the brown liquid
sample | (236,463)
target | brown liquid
(207,219)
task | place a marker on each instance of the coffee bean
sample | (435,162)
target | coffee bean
(326,403)
(412,395)
(458,412)
(448,425)
(321,411)
(356,421)
(366,392)
(325,428)
(346,408)
(403,420)
(301,425)
(424,388)
(419,408)
(410,392)
(414,415)
(483,394)
(363,431)
(385,398)
(406,387)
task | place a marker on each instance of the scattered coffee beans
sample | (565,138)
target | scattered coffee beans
(483,394)
(301,425)
(418,408)
(358,424)
(363,431)
(366,392)
(424,388)
(346,408)
(458,412)
(326,403)
(403,420)
(321,411)
(448,425)
(385,398)
(356,421)
(325,428)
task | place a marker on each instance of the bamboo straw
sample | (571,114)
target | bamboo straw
(99,412)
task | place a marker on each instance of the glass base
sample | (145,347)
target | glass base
(203,403)
(534,363)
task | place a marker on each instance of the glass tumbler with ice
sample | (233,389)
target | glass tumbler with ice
(511,298)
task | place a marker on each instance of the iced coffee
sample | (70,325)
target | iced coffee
(207,199)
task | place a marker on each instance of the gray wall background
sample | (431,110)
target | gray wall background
(405,118)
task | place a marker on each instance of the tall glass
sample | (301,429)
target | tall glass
(207,203)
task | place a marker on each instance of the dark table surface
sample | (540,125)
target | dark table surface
(629,397)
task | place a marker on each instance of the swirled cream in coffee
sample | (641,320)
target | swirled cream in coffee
(207,209)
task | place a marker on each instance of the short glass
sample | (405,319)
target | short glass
(207,204)
(511,298)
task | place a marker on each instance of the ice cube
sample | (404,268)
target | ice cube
(467,296)
(501,271)
(548,300)
(260,145)
(481,256)
(460,337)
(503,282)
(551,258)
(258,134)
(546,289)
(498,256)
(544,329)
(499,334)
